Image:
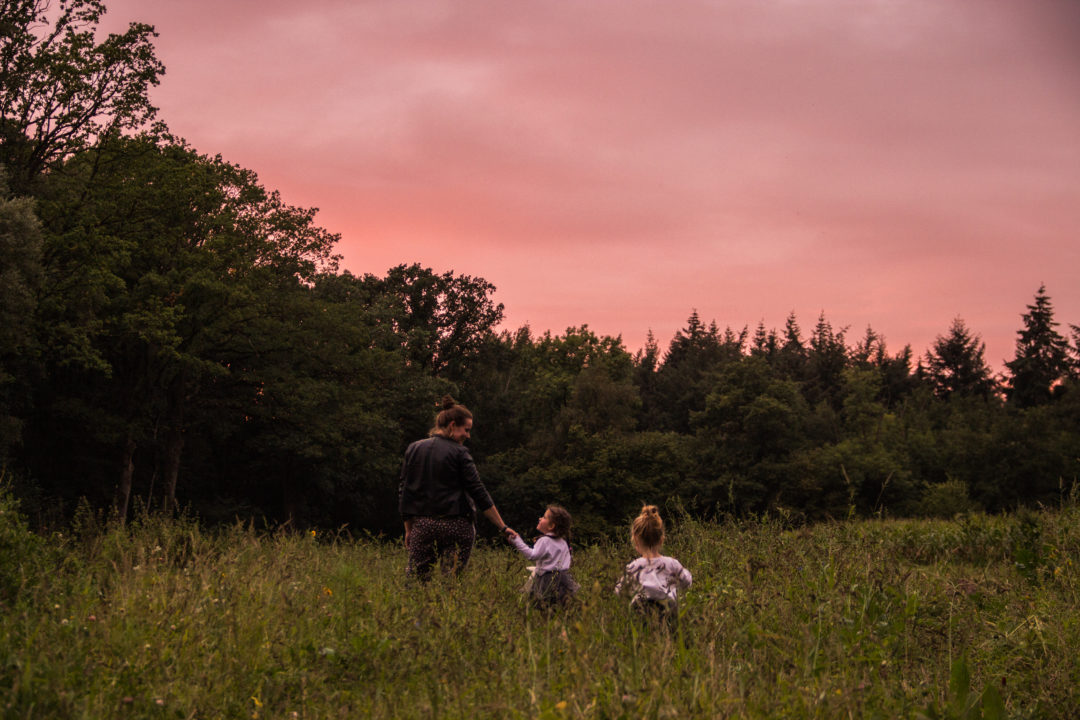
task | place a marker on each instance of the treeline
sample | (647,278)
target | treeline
(173,334)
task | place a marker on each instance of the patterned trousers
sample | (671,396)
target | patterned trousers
(447,539)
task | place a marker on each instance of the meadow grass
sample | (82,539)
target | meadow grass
(856,619)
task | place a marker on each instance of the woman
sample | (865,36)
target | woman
(440,493)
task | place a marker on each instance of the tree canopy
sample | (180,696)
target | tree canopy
(175,335)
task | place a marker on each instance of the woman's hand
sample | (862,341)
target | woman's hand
(509,533)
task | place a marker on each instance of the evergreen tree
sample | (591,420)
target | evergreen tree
(684,379)
(1042,359)
(790,359)
(765,344)
(955,364)
(646,367)
(826,361)
(869,351)
(1074,353)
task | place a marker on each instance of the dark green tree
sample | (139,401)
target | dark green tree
(1074,353)
(748,436)
(684,379)
(20,277)
(955,364)
(869,350)
(765,344)
(583,380)
(1041,362)
(826,360)
(863,471)
(441,320)
(790,358)
(646,376)
(163,266)
(61,89)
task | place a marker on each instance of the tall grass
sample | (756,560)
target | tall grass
(856,619)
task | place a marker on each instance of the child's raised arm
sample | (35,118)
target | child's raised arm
(532,553)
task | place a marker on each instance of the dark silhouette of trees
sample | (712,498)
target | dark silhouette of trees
(955,364)
(61,89)
(174,334)
(1042,357)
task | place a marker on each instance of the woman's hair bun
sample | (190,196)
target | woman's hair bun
(447,402)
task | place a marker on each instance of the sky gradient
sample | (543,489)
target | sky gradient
(620,163)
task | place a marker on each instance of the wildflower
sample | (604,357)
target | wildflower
(159,701)
(561,705)
(312,533)
(327,591)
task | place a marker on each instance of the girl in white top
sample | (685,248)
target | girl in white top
(551,580)
(654,580)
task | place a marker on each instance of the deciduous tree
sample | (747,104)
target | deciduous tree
(61,88)
(20,276)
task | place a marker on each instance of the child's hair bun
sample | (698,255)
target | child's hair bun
(648,527)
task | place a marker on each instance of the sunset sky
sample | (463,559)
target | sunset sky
(620,163)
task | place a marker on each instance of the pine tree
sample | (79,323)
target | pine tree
(956,364)
(765,344)
(1042,356)
(791,358)
(827,357)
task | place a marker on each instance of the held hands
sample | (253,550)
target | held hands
(509,533)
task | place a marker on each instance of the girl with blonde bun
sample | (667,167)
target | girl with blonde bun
(653,580)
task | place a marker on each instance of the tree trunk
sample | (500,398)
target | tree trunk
(174,442)
(123,492)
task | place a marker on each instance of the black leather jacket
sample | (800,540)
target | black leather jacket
(439,479)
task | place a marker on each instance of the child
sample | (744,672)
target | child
(654,579)
(551,581)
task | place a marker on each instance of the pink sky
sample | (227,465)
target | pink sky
(619,163)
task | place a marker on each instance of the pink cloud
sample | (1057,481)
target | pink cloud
(621,163)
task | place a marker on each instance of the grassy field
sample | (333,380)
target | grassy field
(977,617)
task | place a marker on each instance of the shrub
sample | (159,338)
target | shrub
(23,555)
(946,500)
